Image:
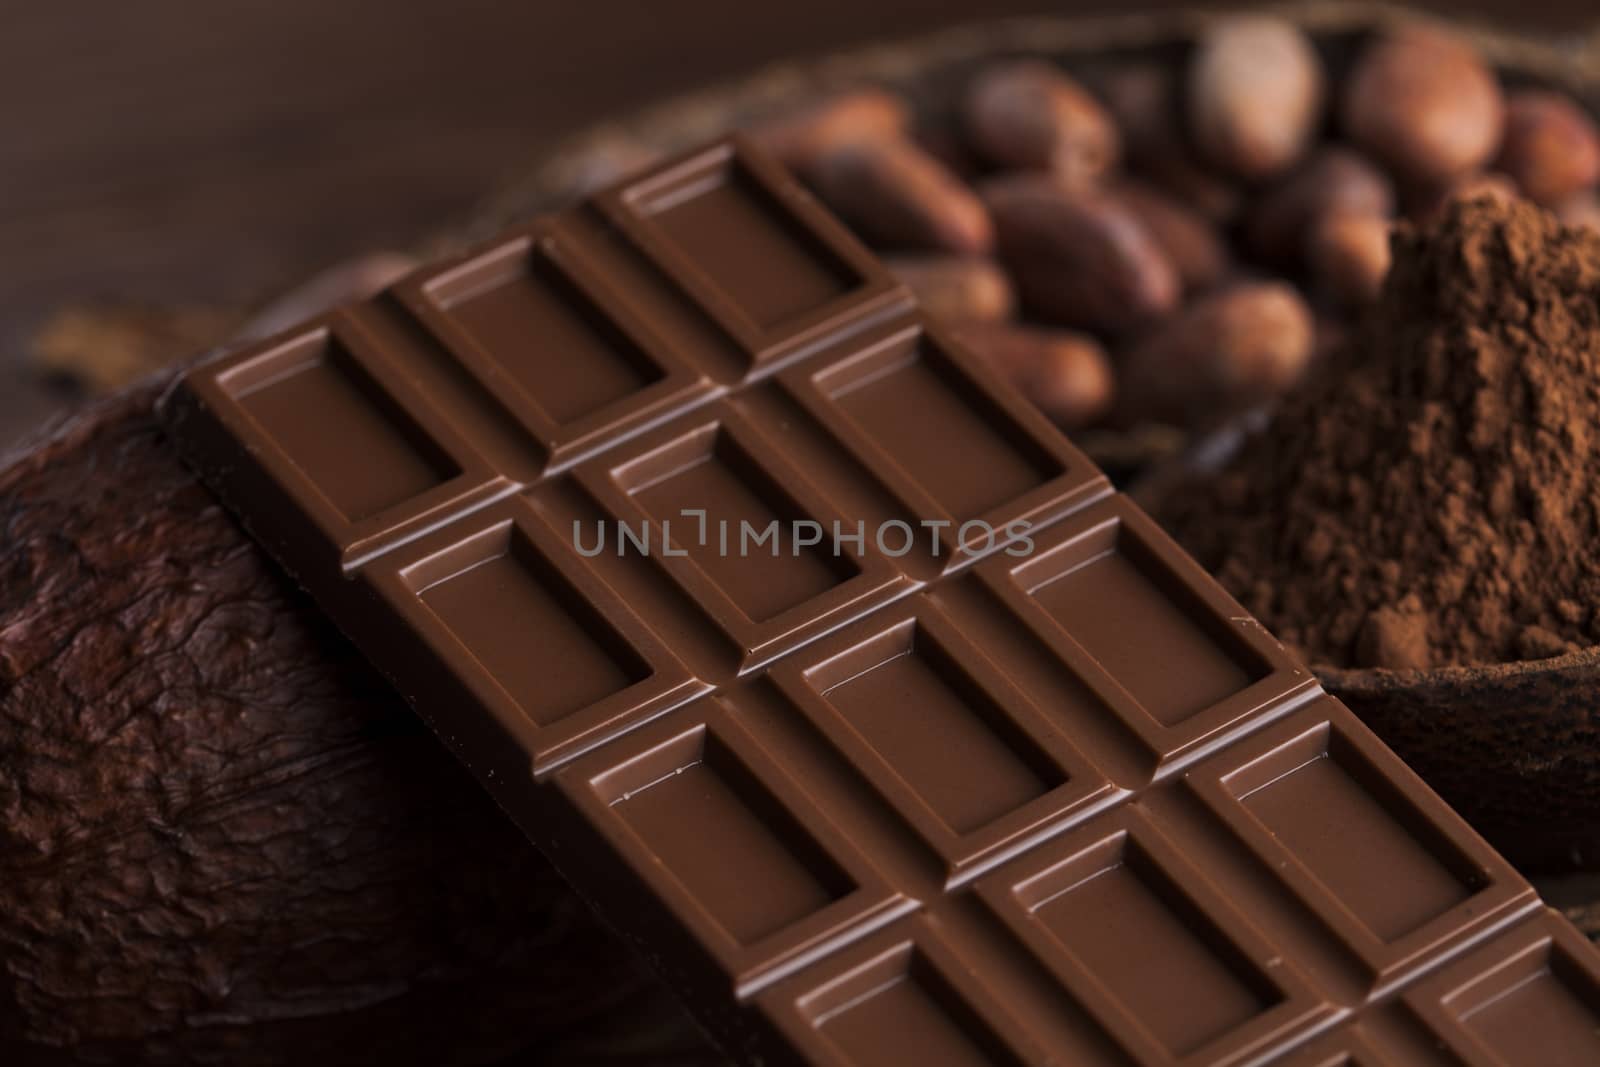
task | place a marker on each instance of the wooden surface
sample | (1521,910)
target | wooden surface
(175,151)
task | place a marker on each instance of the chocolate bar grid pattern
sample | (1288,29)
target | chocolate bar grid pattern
(1068,806)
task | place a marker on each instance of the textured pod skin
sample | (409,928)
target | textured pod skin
(222,838)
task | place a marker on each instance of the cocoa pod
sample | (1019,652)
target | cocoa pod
(1424,104)
(1349,256)
(1191,242)
(1335,178)
(1223,354)
(1551,148)
(1028,115)
(798,139)
(224,839)
(1065,374)
(898,195)
(956,288)
(1255,95)
(1143,99)
(1079,257)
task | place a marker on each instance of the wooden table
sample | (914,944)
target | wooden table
(176,150)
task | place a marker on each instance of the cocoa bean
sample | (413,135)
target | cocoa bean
(1423,103)
(956,288)
(1028,115)
(1223,354)
(1191,242)
(898,195)
(1143,99)
(1335,178)
(1551,147)
(1581,210)
(1080,257)
(1349,256)
(1065,374)
(1255,95)
(798,139)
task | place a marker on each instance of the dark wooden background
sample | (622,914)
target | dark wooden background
(184,151)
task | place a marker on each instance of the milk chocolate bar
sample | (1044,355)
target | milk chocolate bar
(840,683)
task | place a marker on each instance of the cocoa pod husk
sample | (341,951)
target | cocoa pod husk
(224,838)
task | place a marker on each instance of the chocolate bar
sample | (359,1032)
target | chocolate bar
(840,683)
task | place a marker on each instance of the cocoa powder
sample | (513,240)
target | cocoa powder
(1432,496)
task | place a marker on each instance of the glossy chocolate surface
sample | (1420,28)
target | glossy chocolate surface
(1005,779)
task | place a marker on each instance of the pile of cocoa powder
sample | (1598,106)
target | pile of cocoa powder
(1432,496)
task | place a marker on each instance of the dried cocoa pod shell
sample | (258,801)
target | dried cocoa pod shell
(1222,354)
(1424,103)
(1067,375)
(1080,257)
(956,288)
(1551,147)
(222,837)
(1028,115)
(1255,95)
(900,196)
(1335,178)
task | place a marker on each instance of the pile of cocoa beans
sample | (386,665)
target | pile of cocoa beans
(1177,242)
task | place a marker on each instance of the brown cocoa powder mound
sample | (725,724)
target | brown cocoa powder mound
(1430,498)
